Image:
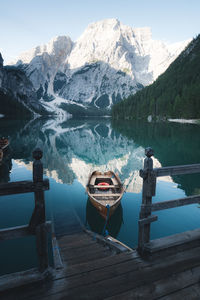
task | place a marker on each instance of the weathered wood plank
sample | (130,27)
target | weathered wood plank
(172,240)
(191,292)
(106,195)
(101,282)
(148,190)
(120,278)
(58,264)
(14,232)
(72,240)
(20,187)
(103,263)
(94,256)
(175,203)
(177,170)
(177,283)
(121,281)
(20,278)
(148,220)
(85,251)
(118,247)
(80,244)
(60,286)
(80,256)
(19,231)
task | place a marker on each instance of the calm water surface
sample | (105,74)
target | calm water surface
(75,148)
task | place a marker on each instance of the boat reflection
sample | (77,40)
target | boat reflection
(96,222)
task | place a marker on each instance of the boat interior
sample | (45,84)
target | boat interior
(112,189)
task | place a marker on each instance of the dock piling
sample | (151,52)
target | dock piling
(148,190)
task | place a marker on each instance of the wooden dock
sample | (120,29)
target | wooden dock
(93,268)
(89,266)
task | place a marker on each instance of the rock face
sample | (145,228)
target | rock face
(17,94)
(108,62)
(42,63)
(1,69)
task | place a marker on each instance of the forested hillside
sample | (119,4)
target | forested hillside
(176,93)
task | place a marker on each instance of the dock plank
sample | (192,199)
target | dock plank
(162,288)
(93,271)
(191,292)
(115,282)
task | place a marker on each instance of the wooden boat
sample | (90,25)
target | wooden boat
(4,142)
(105,191)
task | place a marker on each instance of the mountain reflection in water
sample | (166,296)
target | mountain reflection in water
(73,149)
(173,144)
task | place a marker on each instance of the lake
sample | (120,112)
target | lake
(73,149)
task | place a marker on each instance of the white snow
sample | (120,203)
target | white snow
(53,106)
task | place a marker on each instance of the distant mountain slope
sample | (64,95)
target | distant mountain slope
(176,93)
(17,94)
(108,62)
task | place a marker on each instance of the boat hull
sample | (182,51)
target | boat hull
(109,194)
(103,210)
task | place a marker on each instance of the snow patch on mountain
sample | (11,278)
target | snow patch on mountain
(54,106)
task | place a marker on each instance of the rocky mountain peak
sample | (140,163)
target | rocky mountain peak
(57,46)
(105,24)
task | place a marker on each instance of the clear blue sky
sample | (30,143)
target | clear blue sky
(27,23)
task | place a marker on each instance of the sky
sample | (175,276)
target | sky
(25,24)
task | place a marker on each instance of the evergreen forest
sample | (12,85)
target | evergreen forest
(175,94)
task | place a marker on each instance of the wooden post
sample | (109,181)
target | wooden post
(37,222)
(38,216)
(42,247)
(148,190)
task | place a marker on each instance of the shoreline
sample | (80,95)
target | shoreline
(189,121)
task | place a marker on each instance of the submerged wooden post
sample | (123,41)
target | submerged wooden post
(148,190)
(37,222)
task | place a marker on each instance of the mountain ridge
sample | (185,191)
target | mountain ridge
(107,63)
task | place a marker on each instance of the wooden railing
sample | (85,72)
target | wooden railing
(149,176)
(37,226)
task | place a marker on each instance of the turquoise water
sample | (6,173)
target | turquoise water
(73,149)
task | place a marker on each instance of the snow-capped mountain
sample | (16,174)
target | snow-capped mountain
(108,62)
